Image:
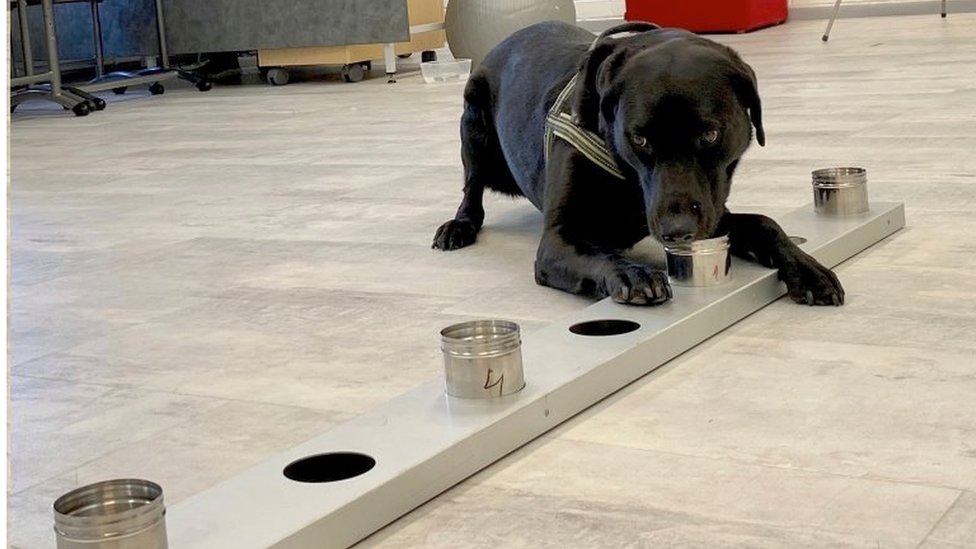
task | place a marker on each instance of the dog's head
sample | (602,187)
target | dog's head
(677,111)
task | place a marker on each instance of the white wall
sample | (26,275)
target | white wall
(599,9)
(614,9)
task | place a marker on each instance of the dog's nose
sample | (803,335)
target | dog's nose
(678,237)
(679,229)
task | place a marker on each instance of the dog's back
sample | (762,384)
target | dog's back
(529,68)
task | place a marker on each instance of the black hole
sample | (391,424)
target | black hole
(798,240)
(329,467)
(604,327)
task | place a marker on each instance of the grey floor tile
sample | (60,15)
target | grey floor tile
(957,529)
(864,411)
(630,498)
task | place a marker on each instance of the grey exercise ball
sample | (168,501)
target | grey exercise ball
(474,27)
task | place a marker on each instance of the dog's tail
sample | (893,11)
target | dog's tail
(477,105)
(477,92)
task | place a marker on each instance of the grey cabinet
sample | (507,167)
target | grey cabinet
(193,26)
(244,25)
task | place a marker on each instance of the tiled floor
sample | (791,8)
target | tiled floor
(200,281)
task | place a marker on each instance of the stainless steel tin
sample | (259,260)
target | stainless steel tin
(482,358)
(840,191)
(699,263)
(114,514)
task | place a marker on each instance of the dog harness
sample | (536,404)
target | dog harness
(561,123)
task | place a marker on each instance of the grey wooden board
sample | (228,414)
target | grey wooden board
(244,25)
(424,442)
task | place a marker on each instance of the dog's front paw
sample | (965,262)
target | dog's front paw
(455,234)
(636,284)
(808,282)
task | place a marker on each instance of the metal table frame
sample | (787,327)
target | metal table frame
(833,16)
(54,91)
(118,81)
(49,86)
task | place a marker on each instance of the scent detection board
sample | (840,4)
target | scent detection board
(345,484)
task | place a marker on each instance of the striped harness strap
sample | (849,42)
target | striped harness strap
(560,123)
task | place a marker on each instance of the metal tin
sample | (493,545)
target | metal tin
(482,358)
(840,191)
(699,263)
(113,514)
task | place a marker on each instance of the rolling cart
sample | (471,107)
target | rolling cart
(120,81)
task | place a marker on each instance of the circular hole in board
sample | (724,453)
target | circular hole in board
(605,327)
(798,240)
(331,467)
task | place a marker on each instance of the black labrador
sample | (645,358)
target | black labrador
(661,119)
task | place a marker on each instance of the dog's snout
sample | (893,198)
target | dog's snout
(680,220)
(679,229)
(678,238)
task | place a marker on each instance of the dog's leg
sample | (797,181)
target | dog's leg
(598,274)
(463,229)
(590,220)
(484,166)
(759,238)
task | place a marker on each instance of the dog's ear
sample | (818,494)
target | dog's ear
(597,69)
(587,108)
(747,90)
(593,96)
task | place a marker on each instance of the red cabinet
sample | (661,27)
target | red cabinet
(709,15)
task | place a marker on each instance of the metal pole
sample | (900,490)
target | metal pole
(943,9)
(25,42)
(389,59)
(161,29)
(97,30)
(54,64)
(830,23)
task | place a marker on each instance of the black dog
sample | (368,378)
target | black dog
(656,122)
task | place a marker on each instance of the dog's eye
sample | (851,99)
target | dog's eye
(639,140)
(711,136)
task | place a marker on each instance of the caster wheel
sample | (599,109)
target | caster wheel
(204,85)
(157,89)
(404,55)
(120,90)
(97,104)
(277,77)
(428,56)
(353,73)
(81,109)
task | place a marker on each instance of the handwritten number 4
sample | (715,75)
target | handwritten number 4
(500,382)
